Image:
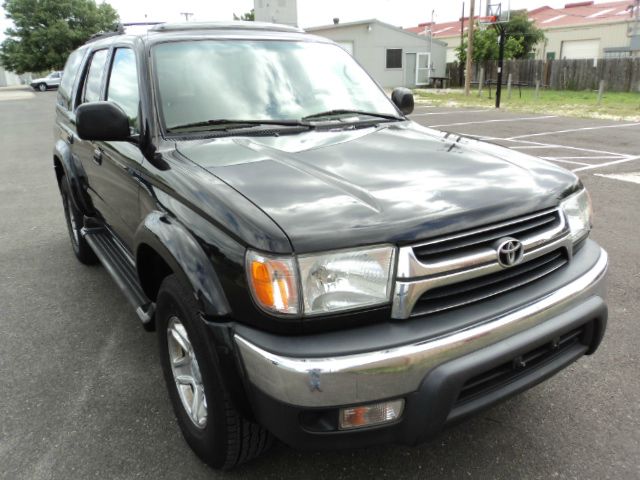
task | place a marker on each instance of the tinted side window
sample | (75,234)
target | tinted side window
(70,71)
(94,77)
(123,84)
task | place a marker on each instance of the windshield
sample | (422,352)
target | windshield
(201,81)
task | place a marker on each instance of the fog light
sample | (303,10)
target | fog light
(373,414)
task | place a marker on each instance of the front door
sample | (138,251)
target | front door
(423,69)
(111,167)
(410,70)
(121,161)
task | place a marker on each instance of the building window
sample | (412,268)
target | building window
(394,58)
(622,52)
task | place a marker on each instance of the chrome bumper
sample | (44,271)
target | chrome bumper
(394,372)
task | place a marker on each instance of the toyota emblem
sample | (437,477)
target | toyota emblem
(510,252)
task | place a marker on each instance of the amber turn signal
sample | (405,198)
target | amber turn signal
(273,282)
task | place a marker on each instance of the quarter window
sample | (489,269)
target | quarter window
(123,84)
(394,58)
(93,81)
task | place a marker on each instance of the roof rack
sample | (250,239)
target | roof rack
(120,29)
(237,25)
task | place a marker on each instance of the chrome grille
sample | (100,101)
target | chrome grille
(477,289)
(463,268)
(464,242)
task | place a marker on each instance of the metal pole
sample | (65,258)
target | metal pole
(509,86)
(467,79)
(500,64)
(480,81)
(461,72)
(600,91)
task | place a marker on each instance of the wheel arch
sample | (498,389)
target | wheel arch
(64,166)
(164,246)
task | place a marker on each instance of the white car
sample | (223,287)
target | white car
(50,81)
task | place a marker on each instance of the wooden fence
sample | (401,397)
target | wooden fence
(619,74)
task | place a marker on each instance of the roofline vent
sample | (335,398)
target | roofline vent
(578,4)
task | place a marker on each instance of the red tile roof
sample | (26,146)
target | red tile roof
(572,15)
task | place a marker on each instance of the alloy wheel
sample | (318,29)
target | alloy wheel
(186,373)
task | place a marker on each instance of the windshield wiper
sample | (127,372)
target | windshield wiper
(227,124)
(341,111)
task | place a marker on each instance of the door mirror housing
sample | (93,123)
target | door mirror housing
(403,99)
(104,121)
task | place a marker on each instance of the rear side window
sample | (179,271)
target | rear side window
(68,79)
(94,78)
(123,84)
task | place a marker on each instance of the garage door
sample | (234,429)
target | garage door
(575,49)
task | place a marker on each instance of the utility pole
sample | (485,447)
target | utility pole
(502,31)
(187,15)
(635,30)
(467,78)
(461,79)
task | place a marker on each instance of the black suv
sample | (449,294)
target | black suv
(319,268)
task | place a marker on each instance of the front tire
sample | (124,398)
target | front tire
(73,218)
(213,428)
(42,87)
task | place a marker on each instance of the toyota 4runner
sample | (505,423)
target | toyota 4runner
(319,268)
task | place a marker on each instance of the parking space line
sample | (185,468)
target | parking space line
(601,165)
(446,113)
(526,147)
(495,121)
(556,145)
(585,157)
(582,129)
(633,177)
(555,159)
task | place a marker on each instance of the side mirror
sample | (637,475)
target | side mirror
(403,99)
(104,121)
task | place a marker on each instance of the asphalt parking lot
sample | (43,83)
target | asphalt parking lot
(81,391)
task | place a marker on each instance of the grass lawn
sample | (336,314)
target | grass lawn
(614,105)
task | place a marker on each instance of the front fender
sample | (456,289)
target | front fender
(184,255)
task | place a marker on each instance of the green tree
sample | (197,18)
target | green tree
(248,17)
(525,31)
(44,32)
(521,38)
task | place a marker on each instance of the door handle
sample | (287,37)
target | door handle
(70,137)
(97,156)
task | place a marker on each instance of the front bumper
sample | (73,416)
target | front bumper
(297,396)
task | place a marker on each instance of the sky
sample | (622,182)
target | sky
(404,13)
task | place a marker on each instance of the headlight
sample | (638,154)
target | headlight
(346,279)
(577,209)
(329,282)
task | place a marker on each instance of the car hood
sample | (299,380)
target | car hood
(395,183)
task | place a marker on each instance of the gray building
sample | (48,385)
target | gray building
(276,11)
(7,78)
(393,57)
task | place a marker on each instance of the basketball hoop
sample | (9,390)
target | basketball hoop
(496,14)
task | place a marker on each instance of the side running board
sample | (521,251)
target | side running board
(120,266)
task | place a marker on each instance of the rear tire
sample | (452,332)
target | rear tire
(217,433)
(42,87)
(73,217)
